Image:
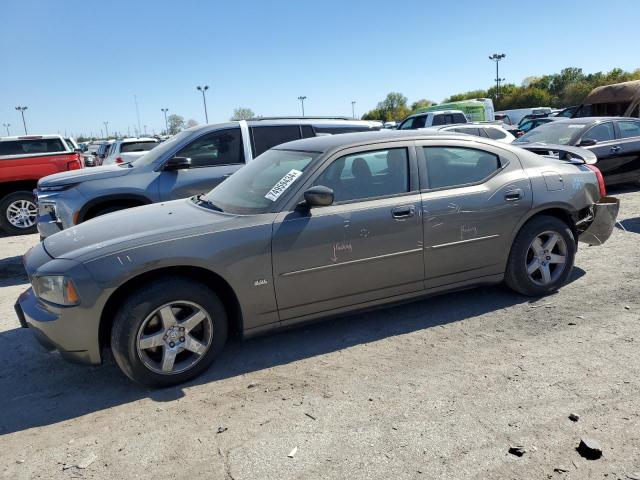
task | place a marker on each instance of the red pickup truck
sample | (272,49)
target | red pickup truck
(23,161)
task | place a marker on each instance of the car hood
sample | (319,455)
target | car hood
(135,227)
(83,175)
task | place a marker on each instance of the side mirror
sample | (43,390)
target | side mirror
(587,142)
(177,163)
(318,196)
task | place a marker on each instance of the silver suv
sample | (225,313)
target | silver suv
(192,162)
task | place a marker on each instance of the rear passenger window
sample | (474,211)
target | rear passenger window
(468,131)
(367,175)
(456,166)
(336,129)
(32,146)
(495,133)
(629,129)
(222,147)
(458,118)
(439,120)
(264,138)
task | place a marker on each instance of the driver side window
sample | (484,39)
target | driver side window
(367,175)
(223,147)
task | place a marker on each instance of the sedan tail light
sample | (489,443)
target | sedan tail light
(601,185)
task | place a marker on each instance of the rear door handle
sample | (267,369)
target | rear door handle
(513,195)
(404,211)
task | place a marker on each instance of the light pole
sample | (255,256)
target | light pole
(145,130)
(204,101)
(24,124)
(302,99)
(106,128)
(7,125)
(496,57)
(353,108)
(166,125)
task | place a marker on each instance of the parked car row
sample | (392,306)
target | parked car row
(318,226)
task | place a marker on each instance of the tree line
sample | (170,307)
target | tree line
(569,87)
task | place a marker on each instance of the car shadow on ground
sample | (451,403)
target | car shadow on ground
(629,224)
(41,389)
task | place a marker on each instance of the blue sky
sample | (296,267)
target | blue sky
(78,63)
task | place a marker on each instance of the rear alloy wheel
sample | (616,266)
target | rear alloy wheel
(19,213)
(541,257)
(168,332)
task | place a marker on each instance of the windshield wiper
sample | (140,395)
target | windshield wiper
(208,203)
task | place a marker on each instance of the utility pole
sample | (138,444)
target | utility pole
(145,130)
(302,99)
(106,128)
(496,57)
(166,124)
(353,108)
(24,124)
(135,99)
(7,125)
(204,101)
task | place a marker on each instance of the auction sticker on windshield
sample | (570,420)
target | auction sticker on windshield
(284,183)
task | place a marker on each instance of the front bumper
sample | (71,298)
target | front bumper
(602,223)
(59,328)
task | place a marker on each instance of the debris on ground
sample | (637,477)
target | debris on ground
(589,448)
(222,429)
(518,450)
(85,462)
(253,385)
(561,470)
(310,416)
(574,417)
(293,452)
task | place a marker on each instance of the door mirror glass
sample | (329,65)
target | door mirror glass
(318,196)
(587,142)
(177,163)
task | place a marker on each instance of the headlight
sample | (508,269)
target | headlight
(56,188)
(56,289)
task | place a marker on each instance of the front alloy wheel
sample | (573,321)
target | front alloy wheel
(168,331)
(174,337)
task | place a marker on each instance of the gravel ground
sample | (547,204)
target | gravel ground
(440,388)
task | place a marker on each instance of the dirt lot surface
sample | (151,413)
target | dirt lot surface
(441,388)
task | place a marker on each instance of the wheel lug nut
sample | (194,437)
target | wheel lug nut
(171,344)
(182,329)
(182,339)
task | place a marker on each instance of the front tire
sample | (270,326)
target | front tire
(541,257)
(19,213)
(168,332)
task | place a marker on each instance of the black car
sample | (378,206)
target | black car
(614,140)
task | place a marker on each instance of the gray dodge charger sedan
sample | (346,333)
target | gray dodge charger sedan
(311,228)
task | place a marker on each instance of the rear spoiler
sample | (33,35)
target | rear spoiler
(561,152)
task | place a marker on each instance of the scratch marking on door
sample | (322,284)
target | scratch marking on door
(340,247)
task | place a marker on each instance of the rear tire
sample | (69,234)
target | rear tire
(168,332)
(19,213)
(541,257)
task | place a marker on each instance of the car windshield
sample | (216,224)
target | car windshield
(137,146)
(256,187)
(553,132)
(162,149)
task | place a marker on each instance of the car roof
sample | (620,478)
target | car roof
(28,137)
(326,143)
(590,120)
(140,139)
(273,121)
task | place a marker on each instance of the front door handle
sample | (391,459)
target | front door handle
(513,195)
(404,211)
(615,149)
